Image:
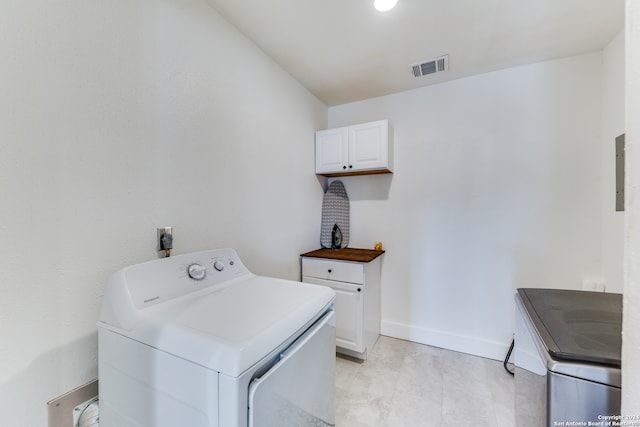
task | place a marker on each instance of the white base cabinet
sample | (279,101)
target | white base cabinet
(357,306)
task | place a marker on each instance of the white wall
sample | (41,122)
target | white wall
(117,118)
(631,315)
(497,186)
(613,117)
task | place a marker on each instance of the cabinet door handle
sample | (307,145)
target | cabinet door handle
(329,270)
(350,166)
(359,289)
(344,167)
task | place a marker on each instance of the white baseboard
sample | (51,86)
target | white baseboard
(464,344)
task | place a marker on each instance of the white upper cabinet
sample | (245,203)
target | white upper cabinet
(332,150)
(355,150)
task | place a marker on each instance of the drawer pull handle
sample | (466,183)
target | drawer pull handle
(359,289)
(329,270)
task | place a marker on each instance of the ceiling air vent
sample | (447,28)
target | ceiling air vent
(430,66)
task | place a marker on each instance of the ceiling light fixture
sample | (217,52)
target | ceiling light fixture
(384,5)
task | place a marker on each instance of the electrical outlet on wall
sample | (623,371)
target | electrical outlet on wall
(165,240)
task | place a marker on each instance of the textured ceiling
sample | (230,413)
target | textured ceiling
(345,50)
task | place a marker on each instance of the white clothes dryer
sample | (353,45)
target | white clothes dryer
(198,340)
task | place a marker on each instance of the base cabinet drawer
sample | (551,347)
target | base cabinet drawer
(340,271)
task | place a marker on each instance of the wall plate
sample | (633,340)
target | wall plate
(620,173)
(60,409)
(160,233)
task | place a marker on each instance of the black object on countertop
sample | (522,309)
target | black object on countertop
(336,237)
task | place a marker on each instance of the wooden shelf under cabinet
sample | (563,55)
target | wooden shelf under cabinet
(371,172)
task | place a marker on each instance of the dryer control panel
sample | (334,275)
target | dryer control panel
(145,285)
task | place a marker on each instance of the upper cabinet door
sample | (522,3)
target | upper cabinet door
(368,146)
(355,150)
(332,150)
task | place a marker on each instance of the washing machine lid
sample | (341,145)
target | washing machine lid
(577,325)
(226,322)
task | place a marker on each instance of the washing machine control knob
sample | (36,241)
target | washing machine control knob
(218,265)
(196,271)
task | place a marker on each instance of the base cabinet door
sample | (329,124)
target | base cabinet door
(349,308)
(349,303)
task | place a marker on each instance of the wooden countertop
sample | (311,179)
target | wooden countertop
(346,254)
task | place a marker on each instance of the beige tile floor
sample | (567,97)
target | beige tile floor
(404,384)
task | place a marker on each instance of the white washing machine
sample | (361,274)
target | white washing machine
(198,340)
